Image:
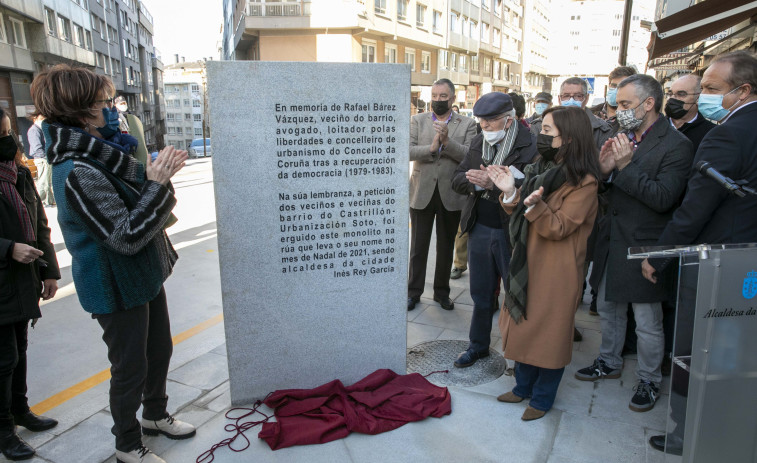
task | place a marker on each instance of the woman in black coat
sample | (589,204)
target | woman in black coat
(28,271)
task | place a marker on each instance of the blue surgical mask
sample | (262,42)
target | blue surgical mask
(612,97)
(540,108)
(111,123)
(711,106)
(572,102)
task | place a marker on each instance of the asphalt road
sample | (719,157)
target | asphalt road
(65,347)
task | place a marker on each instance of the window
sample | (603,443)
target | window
(186,102)
(369,52)
(390,53)
(198,117)
(425,62)
(379,6)
(437,23)
(16,33)
(487,65)
(198,132)
(453,23)
(179,131)
(443,59)
(187,116)
(473,32)
(498,7)
(88,40)
(474,63)
(170,117)
(170,130)
(3,37)
(112,35)
(50,21)
(410,58)
(497,42)
(485,4)
(402,10)
(464,63)
(485,33)
(196,103)
(497,70)
(195,88)
(453,62)
(78,35)
(115,65)
(420,15)
(64,28)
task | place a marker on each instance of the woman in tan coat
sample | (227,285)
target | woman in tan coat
(551,217)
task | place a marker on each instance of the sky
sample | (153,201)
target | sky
(191,28)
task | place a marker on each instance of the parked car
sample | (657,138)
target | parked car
(196,150)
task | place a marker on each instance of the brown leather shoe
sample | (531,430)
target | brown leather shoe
(510,398)
(532,414)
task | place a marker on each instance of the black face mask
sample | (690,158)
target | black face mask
(674,109)
(440,107)
(544,147)
(8,148)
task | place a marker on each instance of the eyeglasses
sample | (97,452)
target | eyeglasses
(680,94)
(575,96)
(108,102)
(489,120)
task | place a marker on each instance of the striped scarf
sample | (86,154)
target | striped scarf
(8,178)
(551,176)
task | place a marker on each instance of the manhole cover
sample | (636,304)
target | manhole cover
(431,356)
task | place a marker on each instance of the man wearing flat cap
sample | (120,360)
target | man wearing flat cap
(438,141)
(502,141)
(543,100)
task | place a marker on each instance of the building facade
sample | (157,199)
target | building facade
(585,41)
(476,44)
(111,37)
(185,103)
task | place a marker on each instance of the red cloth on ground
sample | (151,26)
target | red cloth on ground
(382,401)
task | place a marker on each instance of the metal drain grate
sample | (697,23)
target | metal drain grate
(431,356)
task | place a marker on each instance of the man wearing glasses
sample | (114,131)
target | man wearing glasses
(682,109)
(574,91)
(503,141)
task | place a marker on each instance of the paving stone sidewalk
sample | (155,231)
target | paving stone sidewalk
(590,422)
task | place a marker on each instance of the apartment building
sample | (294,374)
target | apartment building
(585,40)
(111,37)
(186,109)
(478,44)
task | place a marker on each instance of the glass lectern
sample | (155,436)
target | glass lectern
(713,391)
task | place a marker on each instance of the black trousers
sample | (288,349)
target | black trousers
(139,349)
(13,400)
(422,223)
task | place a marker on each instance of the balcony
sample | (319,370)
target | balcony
(278,9)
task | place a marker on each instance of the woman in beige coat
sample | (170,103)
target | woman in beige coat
(551,217)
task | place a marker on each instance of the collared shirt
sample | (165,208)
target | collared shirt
(632,135)
(736,110)
(682,125)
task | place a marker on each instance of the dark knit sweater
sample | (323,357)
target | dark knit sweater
(112,221)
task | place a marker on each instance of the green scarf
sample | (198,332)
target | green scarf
(551,176)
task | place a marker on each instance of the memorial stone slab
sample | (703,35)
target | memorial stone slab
(310,166)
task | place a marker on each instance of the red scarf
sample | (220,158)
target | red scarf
(8,178)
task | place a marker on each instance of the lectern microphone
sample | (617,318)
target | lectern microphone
(705,168)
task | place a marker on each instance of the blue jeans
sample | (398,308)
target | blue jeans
(540,384)
(488,259)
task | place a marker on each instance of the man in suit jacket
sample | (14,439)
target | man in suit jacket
(438,142)
(483,217)
(646,174)
(682,109)
(709,214)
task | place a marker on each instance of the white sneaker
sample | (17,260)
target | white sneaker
(139,455)
(169,427)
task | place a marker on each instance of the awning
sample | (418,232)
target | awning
(698,22)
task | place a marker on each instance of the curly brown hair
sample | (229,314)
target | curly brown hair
(66,94)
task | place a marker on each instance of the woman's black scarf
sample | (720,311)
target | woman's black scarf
(551,176)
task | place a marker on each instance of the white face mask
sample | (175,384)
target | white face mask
(493,137)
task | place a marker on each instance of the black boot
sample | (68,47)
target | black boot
(13,447)
(34,422)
